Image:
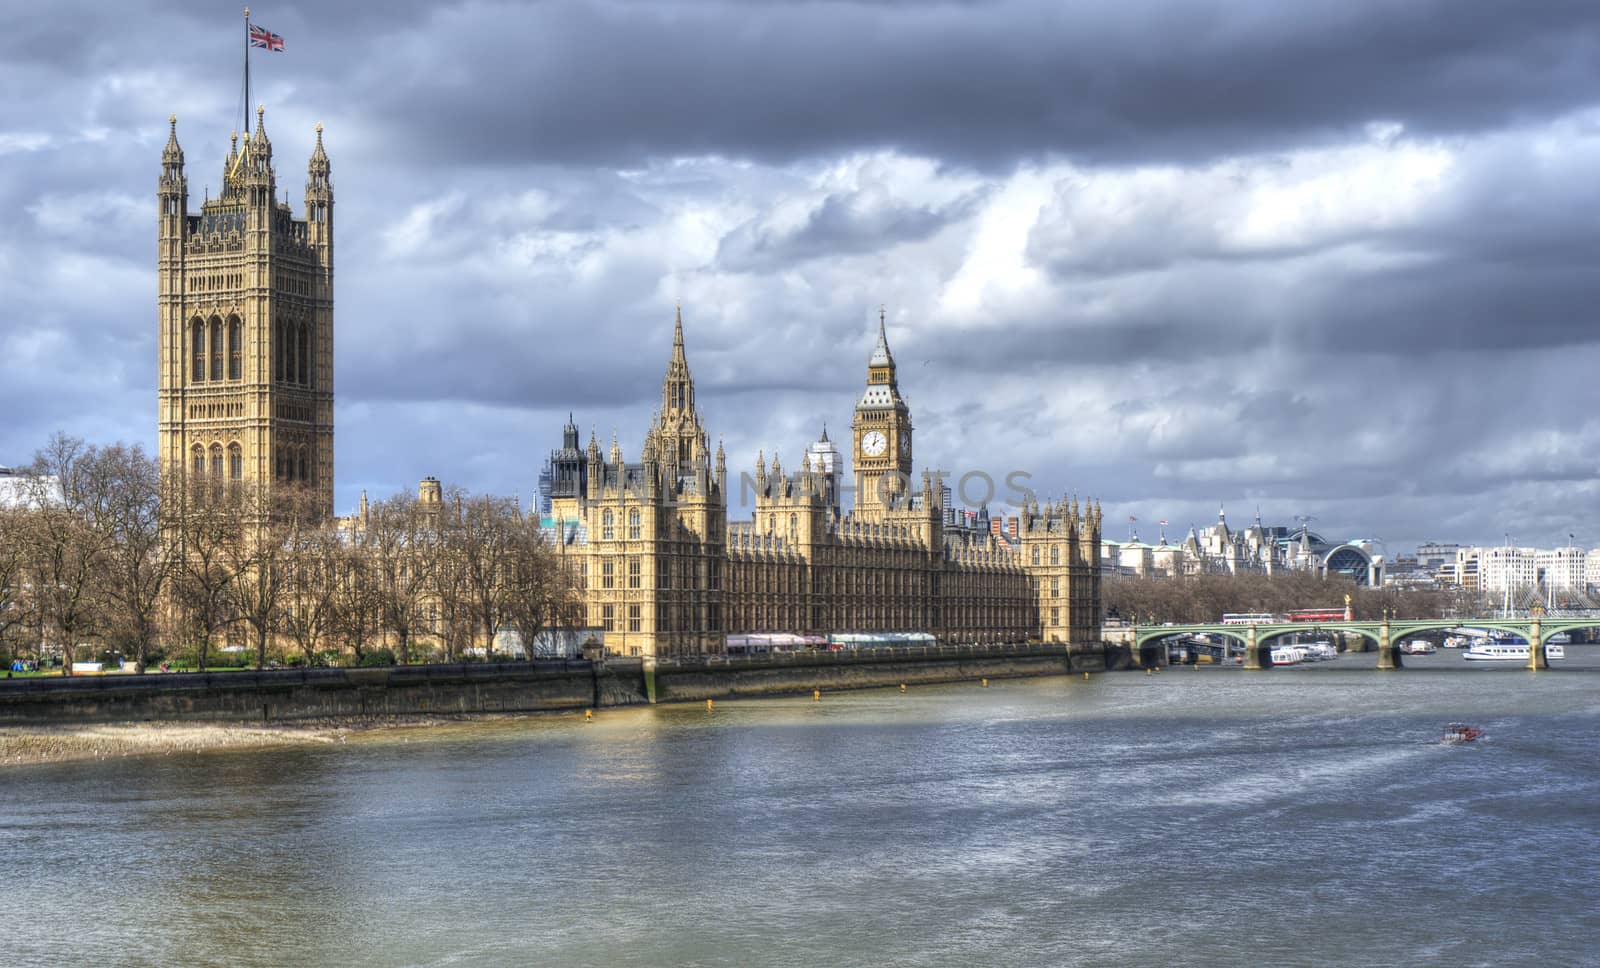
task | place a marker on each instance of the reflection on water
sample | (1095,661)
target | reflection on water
(1210,817)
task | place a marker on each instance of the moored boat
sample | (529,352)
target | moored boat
(1490,651)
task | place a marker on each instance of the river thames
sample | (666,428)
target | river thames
(1291,817)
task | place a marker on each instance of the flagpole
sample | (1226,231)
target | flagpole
(247,72)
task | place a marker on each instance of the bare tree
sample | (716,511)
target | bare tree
(137,560)
(317,554)
(261,559)
(539,589)
(452,611)
(402,541)
(355,599)
(16,605)
(207,521)
(480,540)
(67,494)
(1204,598)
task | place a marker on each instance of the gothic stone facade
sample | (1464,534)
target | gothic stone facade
(246,322)
(665,573)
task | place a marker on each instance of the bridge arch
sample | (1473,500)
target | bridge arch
(1270,632)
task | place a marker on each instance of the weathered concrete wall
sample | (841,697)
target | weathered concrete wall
(510,687)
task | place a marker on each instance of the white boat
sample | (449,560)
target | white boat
(1418,647)
(1489,651)
(1321,651)
(1286,655)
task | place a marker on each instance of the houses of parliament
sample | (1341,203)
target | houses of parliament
(246,393)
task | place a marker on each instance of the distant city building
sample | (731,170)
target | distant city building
(1258,549)
(1434,555)
(1552,574)
(20,488)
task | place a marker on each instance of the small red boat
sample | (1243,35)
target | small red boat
(1461,733)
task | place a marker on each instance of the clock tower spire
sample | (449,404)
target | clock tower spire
(882,431)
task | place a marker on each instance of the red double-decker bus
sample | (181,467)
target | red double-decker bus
(1316,615)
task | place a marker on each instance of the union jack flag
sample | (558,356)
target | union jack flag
(262,37)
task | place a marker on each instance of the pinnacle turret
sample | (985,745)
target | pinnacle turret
(172,154)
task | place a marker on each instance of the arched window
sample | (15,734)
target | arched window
(633,524)
(310,371)
(608,528)
(305,471)
(1055,554)
(235,347)
(197,352)
(198,459)
(303,367)
(216,349)
(794,526)
(1036,554)
(235,462)
(216,461)
(285,352)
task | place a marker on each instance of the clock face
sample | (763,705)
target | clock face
(874,443)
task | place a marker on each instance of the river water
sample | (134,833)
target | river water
(1290,817)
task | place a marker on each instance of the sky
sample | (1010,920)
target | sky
(1325,259)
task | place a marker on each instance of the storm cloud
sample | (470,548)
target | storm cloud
(1329,258)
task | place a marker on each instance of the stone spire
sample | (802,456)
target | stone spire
(258,141)
(172,154)
(880,353)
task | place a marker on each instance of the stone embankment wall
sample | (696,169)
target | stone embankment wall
(688,680)
(301,694)
(291,694)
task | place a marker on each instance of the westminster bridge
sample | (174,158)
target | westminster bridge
(1387,634)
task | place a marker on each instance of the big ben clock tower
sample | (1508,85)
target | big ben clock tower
(882,431)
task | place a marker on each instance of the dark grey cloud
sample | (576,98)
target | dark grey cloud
(1100,230)
(843,224)
(980,83)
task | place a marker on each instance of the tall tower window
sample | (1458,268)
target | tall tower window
(216,349)
(633,524)
(304,361)
(1035,555)
(277,351)
(197,352)
(608,528)
(1055,554)
(198,457)
(216,460)
(287,348)
(235,347)
(305,474)
(235,462)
